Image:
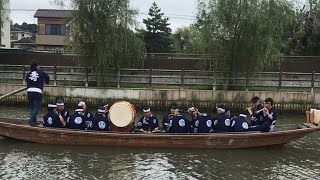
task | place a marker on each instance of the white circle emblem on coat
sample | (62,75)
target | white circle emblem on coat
(182,123)
(245,125)
(227,122)
(154,121)
(102,125)
(209,123)
(78,120)
(196,123)
(49,121)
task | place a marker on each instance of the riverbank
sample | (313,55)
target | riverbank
(160,99)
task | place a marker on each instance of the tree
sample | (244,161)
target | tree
(189,40)
(27,27)
(100,32)
(245,34)
(157,36)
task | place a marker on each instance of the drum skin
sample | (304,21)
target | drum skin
(122,116)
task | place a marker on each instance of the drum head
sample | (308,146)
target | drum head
(121,115)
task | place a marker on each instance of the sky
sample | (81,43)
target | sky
(180,12)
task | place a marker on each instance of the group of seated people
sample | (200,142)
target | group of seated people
(262,118)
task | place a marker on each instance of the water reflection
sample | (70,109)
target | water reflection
(21,160)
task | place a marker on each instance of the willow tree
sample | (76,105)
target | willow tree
(245,35)
(100,32)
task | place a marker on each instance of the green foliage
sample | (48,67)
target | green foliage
(189,40)
(157,36)
(100,31)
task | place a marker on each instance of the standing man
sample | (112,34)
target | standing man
(35,80)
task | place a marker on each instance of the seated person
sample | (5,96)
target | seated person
(100,122)
(88,114)
(203,123)
(257,115)
(222,122)
(106,106)
(269,116)
(194,114)
(52,119)
(166,119)
(240,124)
(62,111)
(148,123)
(78,120)
(179,124)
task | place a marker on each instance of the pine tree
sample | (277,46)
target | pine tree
(157,36)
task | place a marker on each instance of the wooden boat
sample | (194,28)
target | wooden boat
(283,135)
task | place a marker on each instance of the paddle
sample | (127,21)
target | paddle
(13,93)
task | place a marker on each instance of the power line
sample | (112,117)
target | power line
(171,16)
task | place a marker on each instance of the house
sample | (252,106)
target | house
(24,43)
(5,34)
(17,34)
(52,29)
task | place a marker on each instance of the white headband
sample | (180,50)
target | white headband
(243,115)
(147,110)
(60,104)
(222,110)
(101,111)
(79,110)
(52,106)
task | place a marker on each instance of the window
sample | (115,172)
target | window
(55,29)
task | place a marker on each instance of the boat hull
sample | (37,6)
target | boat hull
(92,138)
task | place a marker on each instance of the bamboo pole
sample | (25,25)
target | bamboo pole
(13,93)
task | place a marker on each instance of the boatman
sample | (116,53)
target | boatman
(166,119)
(35,80)
(203,123)
(62,111)
(179,123)
(222,122)
(78,120)
(257,115)
(240,124)
(148,123)
(269,116)
(51,119)
(88,114)
(100,122)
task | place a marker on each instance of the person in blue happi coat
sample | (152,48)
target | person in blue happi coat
(240,124)
(52,119)
(203,123)
(106,107)
(35,80)
(222,123)
(166,119)
(88,114)
(148,123)
(193,111)
(78,119)
(62,111)
(269,118)
(179,123)
(257,115)
(100,122)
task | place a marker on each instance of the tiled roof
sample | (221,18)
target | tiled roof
(53,13)
(12,28)
(24,41)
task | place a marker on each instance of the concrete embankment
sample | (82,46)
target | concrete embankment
(160,98)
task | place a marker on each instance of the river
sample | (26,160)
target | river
(23,160)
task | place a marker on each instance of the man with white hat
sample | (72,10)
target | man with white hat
(148,123)
(62,111)
(78,120)
(51,119)
(100,122)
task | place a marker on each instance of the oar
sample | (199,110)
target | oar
(12,93)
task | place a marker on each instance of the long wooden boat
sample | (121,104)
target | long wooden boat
(283,135)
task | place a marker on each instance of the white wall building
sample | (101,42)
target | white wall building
(6,26)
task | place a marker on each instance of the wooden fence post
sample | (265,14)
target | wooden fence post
(118,77)
(87,77)
(313,81)
(23,74)
(182,78)
(247,81)
(54,75)
(280,80)
(150,77)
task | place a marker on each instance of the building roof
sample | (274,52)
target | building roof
(53,13)
(24,41)
(12,28)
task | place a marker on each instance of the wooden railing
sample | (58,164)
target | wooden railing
(154,78)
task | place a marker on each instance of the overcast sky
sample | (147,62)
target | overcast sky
(182,12)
